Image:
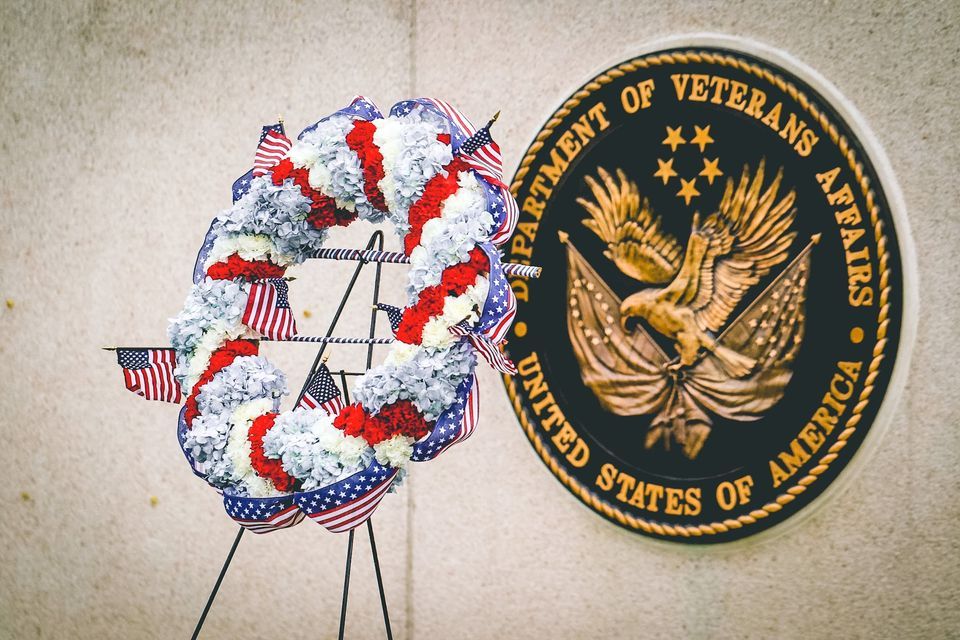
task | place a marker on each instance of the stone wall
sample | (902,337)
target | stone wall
(125,124)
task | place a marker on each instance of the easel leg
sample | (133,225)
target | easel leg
(346,587)
(216,587)
(376,566)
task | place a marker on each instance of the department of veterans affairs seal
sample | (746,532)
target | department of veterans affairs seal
(721,300)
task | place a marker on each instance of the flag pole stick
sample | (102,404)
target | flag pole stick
(216,587)
(346,586)
(398,257)
(376,567)
(373,543)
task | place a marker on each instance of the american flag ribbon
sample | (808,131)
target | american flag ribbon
(273,148)
(263,515)
(182,429)
(359,108)
(503,207)
(348,503)
(500,307)
(149,373)
(322,392)
(454,425)
(241,185)
(490,352)
(199,273)
(268,310)
(394,315)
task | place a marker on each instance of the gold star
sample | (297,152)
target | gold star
(711,170)
(689,190)
(673,138)
(665,171)
(702,138)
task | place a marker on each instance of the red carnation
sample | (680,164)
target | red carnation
(281,171)
(351,420)
(360,140)
(237,267)
(400,418)
(265,467)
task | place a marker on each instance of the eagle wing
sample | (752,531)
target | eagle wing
(626,372)
(770,331)
(748,235)
(635,241)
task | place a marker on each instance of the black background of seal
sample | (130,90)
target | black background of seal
(633,142)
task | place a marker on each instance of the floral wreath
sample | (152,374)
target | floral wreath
(429,172)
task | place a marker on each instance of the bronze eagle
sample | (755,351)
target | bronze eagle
(737,370)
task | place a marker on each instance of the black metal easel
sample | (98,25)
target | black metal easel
(375,242)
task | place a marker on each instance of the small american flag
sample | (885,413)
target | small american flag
(348,503)
(489,351)
(394,315)
(454,425)
(149,373)
(322,392)
(273,148)
(268,310)
(483,154)
(263,515)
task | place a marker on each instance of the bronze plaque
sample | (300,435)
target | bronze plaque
(721,300)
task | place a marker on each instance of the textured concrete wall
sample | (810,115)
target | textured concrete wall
(123,127)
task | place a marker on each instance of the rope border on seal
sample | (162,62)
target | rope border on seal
(883,321)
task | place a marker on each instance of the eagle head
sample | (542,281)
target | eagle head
(637,305)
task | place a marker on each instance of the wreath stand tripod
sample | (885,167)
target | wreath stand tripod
(375,242)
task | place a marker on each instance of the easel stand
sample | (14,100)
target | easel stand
(375,242)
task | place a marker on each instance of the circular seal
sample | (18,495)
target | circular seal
(722,295)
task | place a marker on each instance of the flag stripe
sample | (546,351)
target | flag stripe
(349,515)
(272,149)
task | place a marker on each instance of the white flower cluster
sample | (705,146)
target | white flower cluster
(412,155)
(313,450)
(333,166)
(277,211)
(211,315)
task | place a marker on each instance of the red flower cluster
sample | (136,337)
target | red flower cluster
(454,282)
(360,139)
(438,188)
(400,418)
(264,466)
(237,267)
(220,359)
(323,209)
